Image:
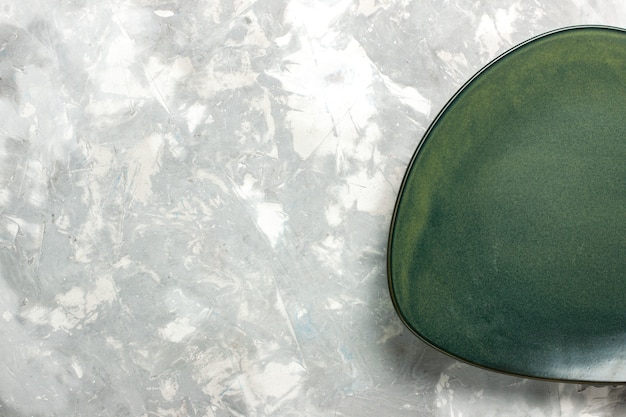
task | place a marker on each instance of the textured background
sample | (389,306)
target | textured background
(195,198)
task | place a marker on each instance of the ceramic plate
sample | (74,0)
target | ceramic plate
(508,243)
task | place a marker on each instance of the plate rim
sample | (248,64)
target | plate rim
(408,169)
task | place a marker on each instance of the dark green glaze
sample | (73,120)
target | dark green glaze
(508,244)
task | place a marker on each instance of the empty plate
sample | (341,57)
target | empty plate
(507,248)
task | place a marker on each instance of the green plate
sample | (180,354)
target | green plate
(507,247)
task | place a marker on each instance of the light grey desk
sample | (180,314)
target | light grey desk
(195,198)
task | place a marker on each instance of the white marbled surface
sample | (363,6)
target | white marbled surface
(195,198)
